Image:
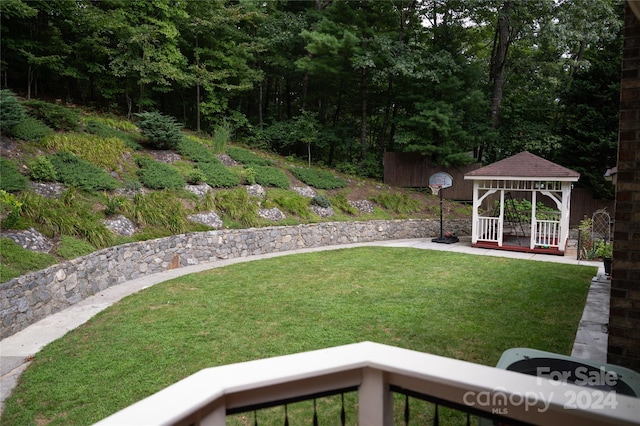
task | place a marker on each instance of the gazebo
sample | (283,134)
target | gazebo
(498,192)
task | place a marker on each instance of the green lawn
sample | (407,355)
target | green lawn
(461,306)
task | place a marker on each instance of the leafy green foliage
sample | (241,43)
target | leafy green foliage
(271,176)
(113,205)
(104,152)
(111,122)
(196,151)
(162,131)
(74,171)
(41,169)
(398,203)
(247,157)
(16,261)
(68,215)
(56,116)
(318,178)
(156,175)
(11,180)
(218,175)
(11,111)
(10,209)
(237,207)
(31,129)
(72,248)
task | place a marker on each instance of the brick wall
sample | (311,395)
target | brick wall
(624,318)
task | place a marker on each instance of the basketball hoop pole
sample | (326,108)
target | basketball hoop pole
(437,183)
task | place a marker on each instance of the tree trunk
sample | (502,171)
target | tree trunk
(363,114)
(501,42)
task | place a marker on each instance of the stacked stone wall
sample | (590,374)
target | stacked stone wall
(27,299)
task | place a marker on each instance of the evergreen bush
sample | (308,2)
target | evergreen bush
(247,157)
(56,116)
(321,200)
(271,176)
(196,151)
(81,174)
(11,111)
(31,129)
(11,180)
(218,175)
(41,169)
(317,178)
(156,175)
(162,131)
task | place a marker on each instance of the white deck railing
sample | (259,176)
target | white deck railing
(205,397)
(489,228)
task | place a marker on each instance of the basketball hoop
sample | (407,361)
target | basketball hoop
(435,188)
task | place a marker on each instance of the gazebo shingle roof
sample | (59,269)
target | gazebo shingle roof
(524,165)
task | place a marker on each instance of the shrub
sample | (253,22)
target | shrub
(106,153)
(81,174)
(11,111)
(250,175)
(162,131)
(31,129)
(271,176)
(247,157)
(218,175)
(196,151)
(321,200)
(56,116)
(41,169)
(399,203)
(318,178)
(222,136)
(10,209)
(11,180)
(113,205)
(237,206)
(156,175)
(72,248)
(196,176)
(114,123)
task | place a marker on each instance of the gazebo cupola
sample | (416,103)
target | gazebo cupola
(498,220)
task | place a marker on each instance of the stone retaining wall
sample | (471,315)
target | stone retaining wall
(31,297)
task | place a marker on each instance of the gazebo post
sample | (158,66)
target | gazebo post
(534,225)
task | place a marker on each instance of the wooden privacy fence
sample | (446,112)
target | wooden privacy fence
(413,171)
(410,170)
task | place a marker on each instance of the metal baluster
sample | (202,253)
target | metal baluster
(315,413)
(286,416)
(343,415)
(406,410)
(468,419)
(255,418)
(436,417)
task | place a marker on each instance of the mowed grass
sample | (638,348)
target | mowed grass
(456,305)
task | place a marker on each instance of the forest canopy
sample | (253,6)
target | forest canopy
(340,82)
